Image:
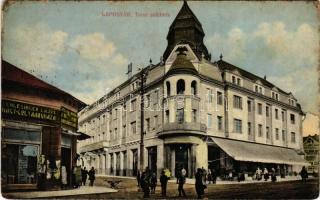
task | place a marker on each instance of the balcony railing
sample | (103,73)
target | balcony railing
(94,146)
(184,127)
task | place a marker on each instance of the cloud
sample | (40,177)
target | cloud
(93,46)
(38,47)
(292,48)
(289,57)
(233,46)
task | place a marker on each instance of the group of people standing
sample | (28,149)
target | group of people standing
(147,182)
(265,174)
(80,176)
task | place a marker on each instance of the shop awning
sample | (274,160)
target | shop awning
(254,152)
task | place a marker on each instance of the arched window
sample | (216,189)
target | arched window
(168,88)
(194,87)
(180,87)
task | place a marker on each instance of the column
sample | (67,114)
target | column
(114,164)
(121,163)
(108,163)
(103,164)
(129,163)
(160,159)
(173,161)
(146,158)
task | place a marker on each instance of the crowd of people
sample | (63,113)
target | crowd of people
(79,177)
(147,181)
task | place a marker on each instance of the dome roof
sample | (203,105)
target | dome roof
(182,65)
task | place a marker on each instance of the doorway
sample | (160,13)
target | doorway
(66,161)
(181,158)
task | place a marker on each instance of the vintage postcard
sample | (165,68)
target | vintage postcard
(160,99)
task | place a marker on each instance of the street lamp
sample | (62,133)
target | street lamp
(143,78)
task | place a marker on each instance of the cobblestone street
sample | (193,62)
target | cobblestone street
(287,190)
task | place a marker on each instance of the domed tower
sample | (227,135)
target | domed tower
(186,29)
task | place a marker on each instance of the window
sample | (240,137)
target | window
(249,106)
(233,80)
(133,127)
(180,115)
(256,88)
(277,134)
(283,135)
(124,131)
(267,111)
(194,115)
(209,93)
(180,86)
(168,88)
(249,128)
(167,116)
(277,114)
(268,132)
(260,90)
(156,123)
(115,133)
(292,118)
(283,116)
(237,102)
(293,137)
(275,95)
(238,81)
(148,124)
(147,101)
(133,105)
(260,130)
(259,108)
(194,88)
(115,113)
(237,125)
(156,98)
(219,123)
(219,98)
(209,120)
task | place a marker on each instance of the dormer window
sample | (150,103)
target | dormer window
(275,95)
(236,80)
(258,89)
(233,80)
(291,102)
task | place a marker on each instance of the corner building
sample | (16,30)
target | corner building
(197,113)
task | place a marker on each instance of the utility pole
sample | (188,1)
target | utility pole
(143,77)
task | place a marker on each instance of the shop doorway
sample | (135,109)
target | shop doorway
(214,158)
(66,161)
(152,159)
(181,158)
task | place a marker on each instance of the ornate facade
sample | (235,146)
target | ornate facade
(197,113)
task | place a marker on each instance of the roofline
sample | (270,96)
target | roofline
(54,87)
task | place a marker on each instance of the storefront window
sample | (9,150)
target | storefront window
(19,163)
(19,160)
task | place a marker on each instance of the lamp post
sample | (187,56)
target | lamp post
(143,78)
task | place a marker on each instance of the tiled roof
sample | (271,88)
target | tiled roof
(15,75)
(223,65)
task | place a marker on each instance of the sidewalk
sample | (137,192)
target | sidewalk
(60,193)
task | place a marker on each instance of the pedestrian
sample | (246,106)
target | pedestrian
(183,172)
(138,178)
(182,181)
(153,182)
(64,177)
(178,173)
(214,176)
(273,175)
(84,174)
(163,181)
(199,183)
(265,174)
(92,176)
(304,174)
(258,174)
(204,175)
(146,189)
(142,180)
(209,176)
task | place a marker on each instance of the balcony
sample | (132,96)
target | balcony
(94,146)
(176,128)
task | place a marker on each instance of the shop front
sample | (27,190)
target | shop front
(38,131)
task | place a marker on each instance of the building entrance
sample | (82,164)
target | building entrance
(66,161)
(181,161)
(152,159)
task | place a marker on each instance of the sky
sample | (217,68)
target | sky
(83,49)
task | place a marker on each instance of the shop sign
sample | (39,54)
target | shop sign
(17,110)
(69,118)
